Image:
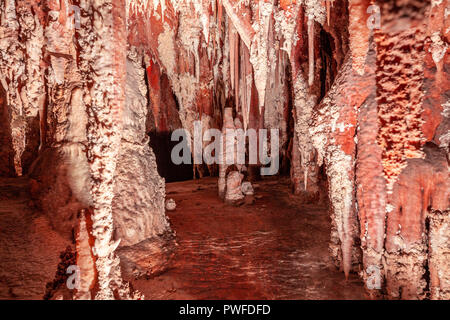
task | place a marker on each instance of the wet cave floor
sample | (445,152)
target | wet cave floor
(274,248)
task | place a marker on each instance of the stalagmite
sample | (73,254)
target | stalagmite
(228,123)
(241,24)
(359,33)
(247,188)
(171,205)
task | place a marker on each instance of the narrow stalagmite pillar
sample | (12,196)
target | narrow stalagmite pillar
(370,181)
(371,194)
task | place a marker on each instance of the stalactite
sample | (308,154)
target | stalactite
(249,53)
(328,4)
(204,18)
(332,133)
(370,106)
(226,59)
(259,49)
(219,13)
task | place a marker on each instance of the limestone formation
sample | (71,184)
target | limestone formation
(91,91)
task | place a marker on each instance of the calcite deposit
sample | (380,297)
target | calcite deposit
(358,92)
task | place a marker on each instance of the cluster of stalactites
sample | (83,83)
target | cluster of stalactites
(255,23)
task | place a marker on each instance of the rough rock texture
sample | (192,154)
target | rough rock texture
(423,186)
(438,252)
(22,81)
(398,181)
(85,126)
(418,174)
(7,150)
(138,204)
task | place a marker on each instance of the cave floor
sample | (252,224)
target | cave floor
(272,249)
(29,248)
